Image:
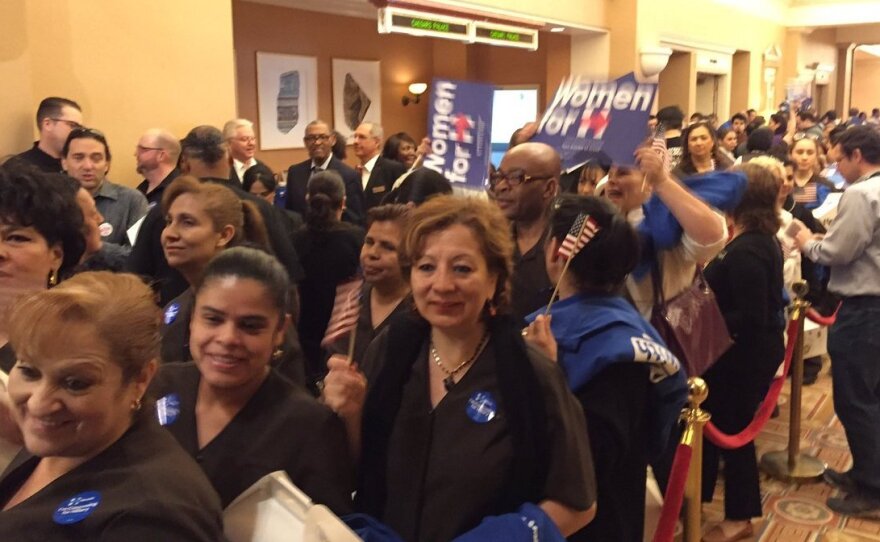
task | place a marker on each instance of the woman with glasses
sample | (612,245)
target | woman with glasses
(810,188)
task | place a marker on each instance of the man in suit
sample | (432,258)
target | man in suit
(319,140)
(239,135)
(377,173)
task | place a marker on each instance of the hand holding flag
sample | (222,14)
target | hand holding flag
(582,232)
(346,310)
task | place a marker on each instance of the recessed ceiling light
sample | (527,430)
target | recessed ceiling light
(557,29)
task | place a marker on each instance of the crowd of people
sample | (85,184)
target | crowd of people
(165,347)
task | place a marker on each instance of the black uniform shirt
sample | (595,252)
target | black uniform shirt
(280,428)
(148,490)
(448,466)
(36,157)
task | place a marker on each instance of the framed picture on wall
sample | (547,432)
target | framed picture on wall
(287,98)
(357,94)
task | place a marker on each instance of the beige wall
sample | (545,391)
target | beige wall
(130,65)
(866,83)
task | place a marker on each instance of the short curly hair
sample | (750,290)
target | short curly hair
(44,201)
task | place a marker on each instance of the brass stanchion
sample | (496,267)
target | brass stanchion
(694,419)
(791,465)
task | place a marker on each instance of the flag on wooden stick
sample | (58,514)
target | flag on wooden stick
(582,231)
(346,309)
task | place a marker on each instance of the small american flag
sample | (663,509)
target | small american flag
(658,144)
(346,309)
(582,231)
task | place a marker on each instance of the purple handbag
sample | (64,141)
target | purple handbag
(690,323)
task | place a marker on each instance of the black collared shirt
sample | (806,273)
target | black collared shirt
(154,196)
(36,157)
(530,285)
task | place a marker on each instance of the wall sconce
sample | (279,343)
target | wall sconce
(416,90)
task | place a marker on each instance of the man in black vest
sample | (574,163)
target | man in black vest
(377,173)
(319,140)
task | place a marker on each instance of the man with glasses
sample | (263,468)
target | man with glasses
(56,117)
(156,153)
(524,187)
(851,248)
(239,135)
(319,141)
(85,156)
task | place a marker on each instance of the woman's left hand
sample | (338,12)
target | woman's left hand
(539,335)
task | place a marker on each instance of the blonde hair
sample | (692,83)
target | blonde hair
(120,306)
(224,208)
(485,220)
(769,163)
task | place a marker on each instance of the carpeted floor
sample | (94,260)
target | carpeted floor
(797,513)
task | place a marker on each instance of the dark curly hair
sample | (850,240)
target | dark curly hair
(45,202)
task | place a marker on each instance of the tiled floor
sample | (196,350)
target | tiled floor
(797,513)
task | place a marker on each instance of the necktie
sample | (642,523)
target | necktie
(360,169)
(316,169)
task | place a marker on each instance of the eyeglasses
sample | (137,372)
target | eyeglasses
(71,123)
(141,148)
(515,177)
(245,139)
(319,138)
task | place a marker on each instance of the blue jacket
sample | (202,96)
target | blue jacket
(592,332)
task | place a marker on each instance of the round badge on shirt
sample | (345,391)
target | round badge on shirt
(105,229)
(481,407)
(171,313)
(168,408)
(76,508)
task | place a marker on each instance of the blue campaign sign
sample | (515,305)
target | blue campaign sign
(597,119)
(460,128)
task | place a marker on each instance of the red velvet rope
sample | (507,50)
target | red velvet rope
(822,320)
(674,494)
(731,442)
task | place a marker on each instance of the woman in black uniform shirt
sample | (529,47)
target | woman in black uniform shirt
(329,250)
(40,237)
(462,421)
(202,220)
(385,294)
(96,466)
(229,409)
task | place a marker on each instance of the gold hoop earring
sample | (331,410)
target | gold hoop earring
(276,355)
(53,278)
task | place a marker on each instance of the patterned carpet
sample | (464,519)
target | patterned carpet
(797,513)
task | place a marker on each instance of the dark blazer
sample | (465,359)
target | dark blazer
(298,179)
(382,178)
(233,176)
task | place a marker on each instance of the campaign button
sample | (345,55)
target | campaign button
(76,508)
(168,408)
(171,313)
(481,407)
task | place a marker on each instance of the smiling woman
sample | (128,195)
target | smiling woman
(76,395)
(461,421)
(239,417)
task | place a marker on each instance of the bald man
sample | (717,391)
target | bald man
(523,187)
(156,153)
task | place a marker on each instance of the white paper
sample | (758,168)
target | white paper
(132,232)
(827,212)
